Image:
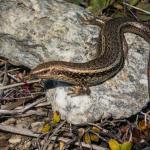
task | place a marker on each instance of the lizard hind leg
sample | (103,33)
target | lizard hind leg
(79,90)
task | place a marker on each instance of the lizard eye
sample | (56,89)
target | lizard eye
(44,72)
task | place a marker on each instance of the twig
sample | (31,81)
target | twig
(146,117)
(16,104)
(33,104)
(32,112)
(23,97)
(43,104)
(95,147)
(90,142)
(5,79)
(100,137)
(55,131)
(147,12)
(13,77)
(56,140)
(70,142)
(8,112)
(15,69)
(19,84)
(21,101)
(106,132)
(21,131)
(100,128)
(26,132)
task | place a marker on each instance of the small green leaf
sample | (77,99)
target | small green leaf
(126,146)
(87,138)
(118,14)
(97,6)
(133,2)
(56,118)
(114,145)
(141,15)
(46,128)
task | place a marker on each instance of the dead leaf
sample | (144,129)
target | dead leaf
(94,137)
(46,128)
(126,145)
(114,145)
(56,118)
(61,145)
(142,125)
(87,138)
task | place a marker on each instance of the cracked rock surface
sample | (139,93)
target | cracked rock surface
(36,31)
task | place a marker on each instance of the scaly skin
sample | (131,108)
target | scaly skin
(109,62)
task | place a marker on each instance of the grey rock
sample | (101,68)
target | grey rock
(36,126)
(26,145)
(15,139)
(33,32)
(38,31)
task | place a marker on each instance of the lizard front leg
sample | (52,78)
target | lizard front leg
(79,90)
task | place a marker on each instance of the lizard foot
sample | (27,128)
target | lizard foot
(79,90)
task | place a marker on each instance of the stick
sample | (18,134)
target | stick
(12,112)
(21,131)
(26,132)
(19,84)
(147,12)
(55,131)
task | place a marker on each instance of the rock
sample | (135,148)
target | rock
(26,145)
(49,147)
(15,139)
(122,96)
(29,36)
(41,31)
(36,126)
